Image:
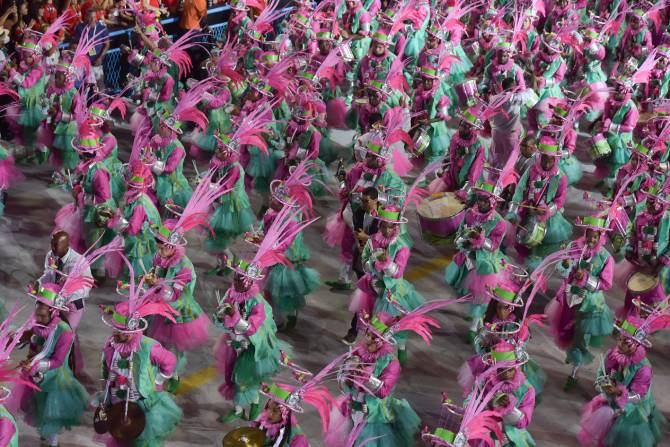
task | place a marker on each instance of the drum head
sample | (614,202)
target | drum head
(641,282)
(128,428)
(245,437)
(440,206)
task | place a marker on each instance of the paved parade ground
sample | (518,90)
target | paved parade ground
(24,240)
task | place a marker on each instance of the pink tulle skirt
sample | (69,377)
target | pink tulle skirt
(339,427)
(477,285)
(596,421)
(561,323)
(336,113)
(361,301)
(70,219)
(183,336)
(9,174)
(335,228)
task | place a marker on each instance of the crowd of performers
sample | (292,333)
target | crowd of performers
(470,106)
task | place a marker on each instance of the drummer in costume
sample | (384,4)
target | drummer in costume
(168,152)
(377,63)
(60,400)
(232,216)
(537,205)
(501,67)
(138,214)
(503,322)
(618,121)
(464,166)
(248,352)
(368,379)
(134,370)
(173,271)
(579,315)
(479,263)
(647,248)
(288,286)
(63,96)
(514,400)
(625,412)
(356,25)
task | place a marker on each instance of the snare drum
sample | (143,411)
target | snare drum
(533,234)
(599,147)
(645,286)
(421,141)
(441,214)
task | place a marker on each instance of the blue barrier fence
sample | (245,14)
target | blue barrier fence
(112,62)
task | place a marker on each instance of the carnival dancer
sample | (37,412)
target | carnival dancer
(503,321)
(537,205)
(288,286)
(60,400)
(175,273)
(9,339)
(593,77)
(248,352)
(625,411)
(356,23)
(138,214)
(376,64)
(368,409)
(63,96)
(514,400)
(134,370)
(479,262)
(636,42)
(169,152)
(501,67)
(278,419)
(9,175)
(464,166)
(579,315)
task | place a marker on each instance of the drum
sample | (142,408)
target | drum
(244,437)
(421,141)
(599,147)
(530,98)
(467,92)
(533,234)
(645,286)
(122,427)
(441,214)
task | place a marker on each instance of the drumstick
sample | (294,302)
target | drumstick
(530,207)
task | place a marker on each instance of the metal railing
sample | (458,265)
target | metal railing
(112,63)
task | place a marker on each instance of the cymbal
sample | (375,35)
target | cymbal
(245,437)
(125,428)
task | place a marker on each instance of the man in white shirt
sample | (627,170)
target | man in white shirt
(59,261)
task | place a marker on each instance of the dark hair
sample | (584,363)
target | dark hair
(508,82)
(375,117)
(371,192)
(492,311)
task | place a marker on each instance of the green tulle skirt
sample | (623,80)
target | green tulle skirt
(63,142)
(288,286)
(592,324)
(249,373)
(173,186)
(636,427)
(60,403)
(140,249)
(397,427)
(231,219)
(261,168)
(572,169)
(161,420)
(535,376)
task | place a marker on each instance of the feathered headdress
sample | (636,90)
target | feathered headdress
(294,190)
(9,339)
(263,23)
(177,52)
(250,129)
(48,38)
(284,228)
(195,212)
(478,424)
(186,109)
(128,316)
